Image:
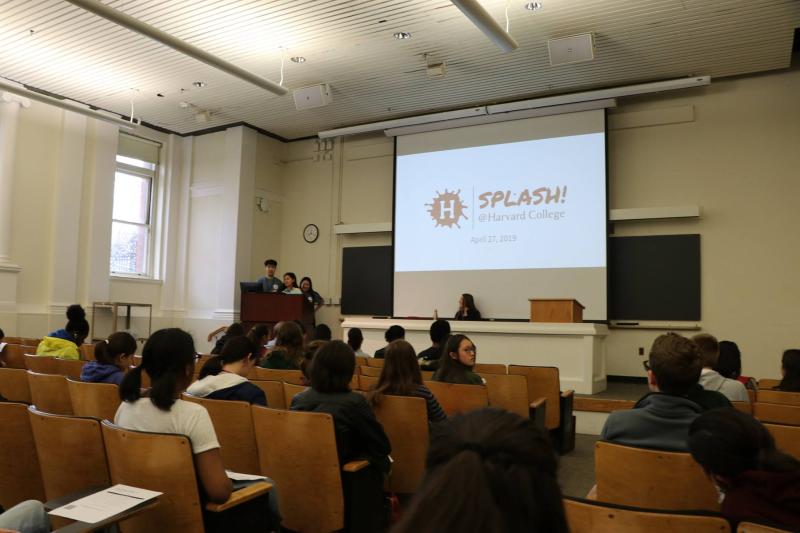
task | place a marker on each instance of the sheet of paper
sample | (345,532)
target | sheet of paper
(105,504)
(237,476)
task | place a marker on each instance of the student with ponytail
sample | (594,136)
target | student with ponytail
(486,471)
(112,359)
(224,376)
(65,342)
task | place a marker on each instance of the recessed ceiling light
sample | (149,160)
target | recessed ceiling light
(402,35)
(533,6)
(199,84)
(298,59)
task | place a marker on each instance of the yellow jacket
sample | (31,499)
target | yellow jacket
(56,347)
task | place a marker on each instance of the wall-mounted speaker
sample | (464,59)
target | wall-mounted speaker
(313,96)
(573,49)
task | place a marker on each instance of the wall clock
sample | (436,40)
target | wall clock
(311,233)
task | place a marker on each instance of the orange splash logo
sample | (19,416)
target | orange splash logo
(447,208)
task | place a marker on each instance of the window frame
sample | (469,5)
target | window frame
(151,175)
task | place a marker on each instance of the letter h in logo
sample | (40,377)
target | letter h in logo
(447,209)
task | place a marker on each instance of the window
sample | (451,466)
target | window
(132,215)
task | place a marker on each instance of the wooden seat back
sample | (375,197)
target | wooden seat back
(752,527)
(14,355)
(596,517)
(294,377)
(273,390)
(97,400)
(781,397)
(767,383)
(543,382)
(509,392)
(745,407)
(87,352)
(14,385)
(776,413)
(427,375)
(70,368)
(490,368)
(29,342)
(159,462)
(290,391)
(298,450)
(43,364)
(367,383)
(233,425)
(456,399)
(12,340)
(651,479)
(373,362)
(372,371)
(405,421)
(49,393)
(362,360)
(71,452)
(20,474)
(787,438)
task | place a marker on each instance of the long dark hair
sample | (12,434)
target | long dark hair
(117,344)
(168,358)
(289,339)
(293,277)
(487,470)
(236,349)
(332,367)
(400,375)
(791,371)
(729,362)
(727,442)
(452,370)
(77,326)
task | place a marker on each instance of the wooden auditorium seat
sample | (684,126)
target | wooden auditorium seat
(43,364)
(13,355)
(372,371)
(291,390)
(49,393)
(456,399)
(776,413)
(490,368)
(768,383)
(273,390)
(373,362)
(752,527)
(294,377)
(14,385)
(787,438)
(362,360)
(87,352)
(20,474)
(510,392)
(367,383)
(164,463)
(544,382)
(745,407)
(97,400)
(70,368)
(776,396)
(405,421)
(651,479)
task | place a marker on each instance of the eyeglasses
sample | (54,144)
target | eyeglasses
(646,365)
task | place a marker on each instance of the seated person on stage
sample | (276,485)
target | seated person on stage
(355,339)
(729,364)
(430,357)
(661,419)
(458,360)
(224,376)
(270,283)
(288,349)
(234,330)
(400,376)
(790,366)
(466,308)
(759,482)
(322,333)
(112,359)
(290,284)
(710,379)
(392,334)
(65,342)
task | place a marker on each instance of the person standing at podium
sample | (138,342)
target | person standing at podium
(270,283)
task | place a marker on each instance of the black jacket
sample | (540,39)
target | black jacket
(359,435)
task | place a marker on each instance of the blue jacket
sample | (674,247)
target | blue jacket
(96,372)
(226,386)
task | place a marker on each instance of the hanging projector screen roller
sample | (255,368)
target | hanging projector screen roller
(506,212)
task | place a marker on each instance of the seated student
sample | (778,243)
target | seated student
(168,357)
(270,283)
(29,516)
(458,360)
(259,336)
(400,376)
(112,359)
(729,364)
(467,309)
(290,284)
(759,482)
(355,339)
(288,349)
(322,333)
(487,471)
(431,357)
(234,330)
(64,343)
(710,379)
(392,334)
(359,435)
(224,376)
(661,418)
(790,366)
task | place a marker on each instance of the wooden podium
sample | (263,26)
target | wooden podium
(269,308)
(556,310)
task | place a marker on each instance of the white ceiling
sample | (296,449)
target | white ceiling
(55,46)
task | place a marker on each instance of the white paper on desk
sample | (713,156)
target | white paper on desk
(105,504)
(237,476)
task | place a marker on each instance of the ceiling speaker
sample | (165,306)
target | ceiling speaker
(314,96)
(572,49)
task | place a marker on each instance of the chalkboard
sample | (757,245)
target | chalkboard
(367,279)
(654,277)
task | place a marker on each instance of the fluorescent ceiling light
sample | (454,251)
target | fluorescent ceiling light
(66,104)
(501,117)
(134,24)
(484,22)
(396,123)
